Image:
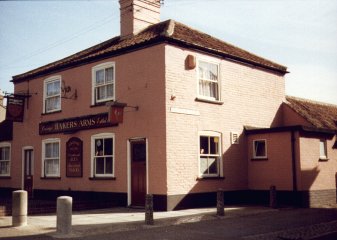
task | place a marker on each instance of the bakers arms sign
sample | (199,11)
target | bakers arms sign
(76,124)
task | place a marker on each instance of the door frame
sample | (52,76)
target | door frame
(129,165)
(23,165)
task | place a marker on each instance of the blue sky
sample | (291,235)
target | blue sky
(300,34)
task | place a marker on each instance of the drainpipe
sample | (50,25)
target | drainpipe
(293,158)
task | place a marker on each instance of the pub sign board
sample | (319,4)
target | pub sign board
(74,157)
(75,124)
(15,108)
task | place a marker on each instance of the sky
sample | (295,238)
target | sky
(300,34)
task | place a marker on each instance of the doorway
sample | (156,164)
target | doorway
(28,171)
(138,179)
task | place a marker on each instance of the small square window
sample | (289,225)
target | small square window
(260,149)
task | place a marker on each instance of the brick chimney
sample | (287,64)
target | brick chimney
(136,15)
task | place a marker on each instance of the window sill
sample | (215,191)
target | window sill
(5,177)
(48,113)
(259,159)
(323,159)
(102,178)
(50,178)
(98,104)
(199,99)
(209,178)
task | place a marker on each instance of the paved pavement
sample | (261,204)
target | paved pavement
(250,223)
(101,221)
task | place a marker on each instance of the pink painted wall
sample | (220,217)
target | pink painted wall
(316,174)
(139,82)
(277,169)
(250,96)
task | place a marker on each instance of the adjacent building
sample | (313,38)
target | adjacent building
(167,110)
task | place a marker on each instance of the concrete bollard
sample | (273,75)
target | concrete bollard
(149,209)
(220,205)
(272,197)
(64,214)
(19,208)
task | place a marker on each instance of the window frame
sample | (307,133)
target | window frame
(266,149)
(218,156)
(43,171)
(99,67)
(325,147)
(7,145)
(93,163)
(201,96)
(45,97)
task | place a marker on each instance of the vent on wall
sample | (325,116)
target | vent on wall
(234,138)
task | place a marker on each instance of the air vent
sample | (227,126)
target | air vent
(234,138)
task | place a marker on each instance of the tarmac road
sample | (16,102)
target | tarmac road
(286,224)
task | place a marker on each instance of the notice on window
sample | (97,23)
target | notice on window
(74,157)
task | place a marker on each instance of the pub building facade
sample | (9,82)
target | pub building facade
(162,109)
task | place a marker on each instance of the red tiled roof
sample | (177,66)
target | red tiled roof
(320,115)
(169,31)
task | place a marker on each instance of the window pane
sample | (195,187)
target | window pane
(109,89)
(99,77)
(99,147)
(53,88)
(322,148)
(204,145)
(260,148)
(203,166)
(214,142)
(108,146)
(101,92)
(99,165)
(53,103)
(213,166)
(208,71)
(4,153)
(51,166)
(108,165)
(4,167)
(109,75)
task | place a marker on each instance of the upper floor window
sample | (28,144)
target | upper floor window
(5,159)
(323,155)
(260,148)
(51,158)
(208,77)
(103,155)
(52,94)
(103,77)
(209,154)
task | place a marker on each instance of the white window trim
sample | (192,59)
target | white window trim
(50,140)
(323,157)
(45,82)
(7,144)
(211,134)
(266,148)
(212,61)
(92,165)
(93,81)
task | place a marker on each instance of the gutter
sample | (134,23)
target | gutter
(293,160)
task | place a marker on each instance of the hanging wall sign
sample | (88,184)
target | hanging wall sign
(75,124)
(74,157)
(116,114)
(15,108)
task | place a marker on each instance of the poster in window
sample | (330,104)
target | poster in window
(74,157)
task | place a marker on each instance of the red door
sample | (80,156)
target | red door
(28,171)
(138,172)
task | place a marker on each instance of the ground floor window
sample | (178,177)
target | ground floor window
(209,154)
(5,159)
(51,158)
(103,155)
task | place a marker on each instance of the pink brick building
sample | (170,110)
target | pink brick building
(199,114)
